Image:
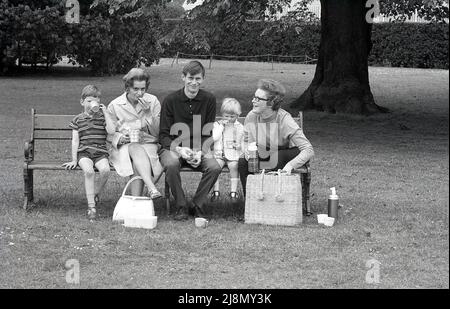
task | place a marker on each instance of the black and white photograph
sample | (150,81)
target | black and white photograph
(224,151)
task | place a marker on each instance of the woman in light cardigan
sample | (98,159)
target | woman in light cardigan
(280,141)
(138,110)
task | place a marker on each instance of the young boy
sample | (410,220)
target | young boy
(228,136)
(89,144)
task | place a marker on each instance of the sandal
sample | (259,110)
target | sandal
(234,196)
(92,213)
(215,196)
(96,199)
(155,194)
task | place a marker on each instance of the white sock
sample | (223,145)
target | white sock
(217,186)
(90,199)
(234,184)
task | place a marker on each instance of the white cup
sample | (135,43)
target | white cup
(329,221)
(321,218)
(95,106)
(135,136)
(201,222)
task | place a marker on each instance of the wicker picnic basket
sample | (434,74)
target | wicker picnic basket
(273,198)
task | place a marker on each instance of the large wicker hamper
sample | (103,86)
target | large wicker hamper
(274,198)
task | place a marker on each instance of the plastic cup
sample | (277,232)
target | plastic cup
(95,107)
(135,136)
(329,221)
(201,222)
(321,218)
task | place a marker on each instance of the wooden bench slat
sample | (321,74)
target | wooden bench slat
(53,134)
(43,121)
(51,165)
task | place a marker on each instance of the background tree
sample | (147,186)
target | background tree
(111,37)
(173,9)
(341,81)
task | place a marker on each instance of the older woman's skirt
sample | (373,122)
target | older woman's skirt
(120,158)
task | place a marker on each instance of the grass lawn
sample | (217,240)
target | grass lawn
(391,172)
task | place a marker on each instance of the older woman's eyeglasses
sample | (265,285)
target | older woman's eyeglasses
(258,99)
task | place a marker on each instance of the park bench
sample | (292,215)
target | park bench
(47,127)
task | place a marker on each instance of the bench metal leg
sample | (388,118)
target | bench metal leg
(28,188)
(306,192)
(167,196)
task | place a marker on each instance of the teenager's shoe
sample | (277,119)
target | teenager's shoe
(198,212)
(182,214)
(215,196)
(92,213)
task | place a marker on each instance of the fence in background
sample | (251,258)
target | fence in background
(260,58)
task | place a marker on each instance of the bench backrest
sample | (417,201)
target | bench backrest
(56,127)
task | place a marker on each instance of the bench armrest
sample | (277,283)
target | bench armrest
(29,151)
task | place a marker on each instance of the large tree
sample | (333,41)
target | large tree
(341,81)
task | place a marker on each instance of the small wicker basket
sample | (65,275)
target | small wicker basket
(274,198)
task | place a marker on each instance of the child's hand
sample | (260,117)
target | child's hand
(125,139)
(70,165)
(223,122)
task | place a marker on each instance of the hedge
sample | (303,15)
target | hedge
(398,45)
(104,43)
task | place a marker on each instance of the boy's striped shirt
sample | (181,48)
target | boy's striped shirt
(91,130)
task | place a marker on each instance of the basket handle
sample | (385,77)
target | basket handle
(129,182)
(279,197)
(261,187)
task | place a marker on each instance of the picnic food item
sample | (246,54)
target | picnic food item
(333,204)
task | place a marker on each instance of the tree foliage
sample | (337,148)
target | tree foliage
(111,37)
(206,23)
(430,10)
(30,34)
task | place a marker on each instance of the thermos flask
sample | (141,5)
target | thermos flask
(253,160)
(333,204)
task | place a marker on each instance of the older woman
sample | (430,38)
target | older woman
(136,112)
(280,141)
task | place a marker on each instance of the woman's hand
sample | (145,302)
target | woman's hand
(288,169)
(144,104)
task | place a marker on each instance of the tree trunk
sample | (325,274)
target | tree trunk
(341,81)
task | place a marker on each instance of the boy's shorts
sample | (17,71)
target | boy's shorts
(92,154)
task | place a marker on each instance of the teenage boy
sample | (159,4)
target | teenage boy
(184,115)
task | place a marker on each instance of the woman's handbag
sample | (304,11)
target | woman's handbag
(274,198)
(130,206)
